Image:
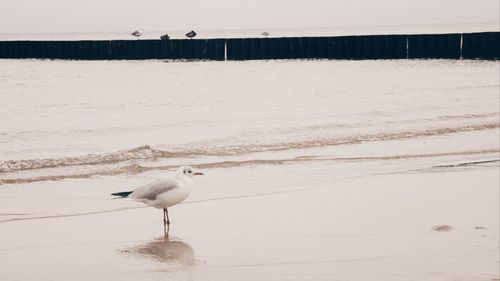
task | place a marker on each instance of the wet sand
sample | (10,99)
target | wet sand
(370,228)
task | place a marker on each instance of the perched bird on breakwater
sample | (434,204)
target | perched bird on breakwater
(191,34)
(265,33)
(164,192)
(165,37)
(137,33)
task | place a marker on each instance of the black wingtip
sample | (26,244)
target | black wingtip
(123,194)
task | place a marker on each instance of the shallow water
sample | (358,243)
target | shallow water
(80,118)
(126,122)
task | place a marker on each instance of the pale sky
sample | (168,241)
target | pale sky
(54,16)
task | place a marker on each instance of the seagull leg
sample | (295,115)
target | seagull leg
(165,223)
(168,220)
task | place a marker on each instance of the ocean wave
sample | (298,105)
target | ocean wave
(147,152)
(136,168)
(467,164)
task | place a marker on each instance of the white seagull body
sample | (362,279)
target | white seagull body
(164,192)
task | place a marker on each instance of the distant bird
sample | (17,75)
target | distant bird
(165,37)
(191,34)
(265,33)
(164,192)
(137,33)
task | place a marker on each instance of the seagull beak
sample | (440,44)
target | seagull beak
(198,174)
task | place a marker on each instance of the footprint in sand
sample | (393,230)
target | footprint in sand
(481,228)
(442,228)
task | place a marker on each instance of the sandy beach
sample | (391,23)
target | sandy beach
(371,228)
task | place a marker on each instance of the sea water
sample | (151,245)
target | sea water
(89,122)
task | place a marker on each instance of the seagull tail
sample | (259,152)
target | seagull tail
(123,194)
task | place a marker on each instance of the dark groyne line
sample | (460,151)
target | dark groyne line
(483,45)
(208,49)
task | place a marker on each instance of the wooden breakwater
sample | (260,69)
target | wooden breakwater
(483,45)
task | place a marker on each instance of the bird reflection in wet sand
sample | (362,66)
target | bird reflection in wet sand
(165,250)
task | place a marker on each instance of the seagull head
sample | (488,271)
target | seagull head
(188,172)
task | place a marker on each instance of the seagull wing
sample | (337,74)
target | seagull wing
(152,190)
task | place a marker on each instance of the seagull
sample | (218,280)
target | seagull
(265,33)
(137,33)
(165,37)
(164,192)
(191,34)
